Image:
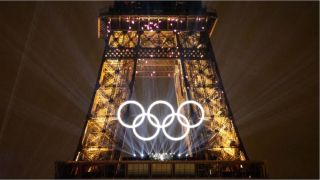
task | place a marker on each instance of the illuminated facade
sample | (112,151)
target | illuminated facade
(155,44)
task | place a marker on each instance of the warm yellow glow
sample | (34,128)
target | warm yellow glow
(122,39)
(98,138)
(99,27)
(190,40)
(224,140)
(213,27)
(152,39)
(113,90)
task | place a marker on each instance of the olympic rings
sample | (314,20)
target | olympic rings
(147,138)
(119,114)
(201,118)
(154,121)
(156,103)
(175,138)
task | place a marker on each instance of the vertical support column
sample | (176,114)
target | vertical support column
(88,116)
(131,86)
(211,58)
(173,169)
(187,85)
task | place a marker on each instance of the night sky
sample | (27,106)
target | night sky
(267,53)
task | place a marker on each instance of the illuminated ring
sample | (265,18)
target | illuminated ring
(158,126)
(151,117)
(156,103)
(133,125)
(175,138)
(201,118)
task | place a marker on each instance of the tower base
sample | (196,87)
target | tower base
(160,169)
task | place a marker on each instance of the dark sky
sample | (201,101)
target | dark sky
(267,53)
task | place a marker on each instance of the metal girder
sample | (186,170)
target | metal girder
(107,23)
(100,135)
(160,44)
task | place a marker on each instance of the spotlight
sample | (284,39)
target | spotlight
(134,155)
(142,155)
(179,155)
(186,155)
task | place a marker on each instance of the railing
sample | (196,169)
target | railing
(160,169)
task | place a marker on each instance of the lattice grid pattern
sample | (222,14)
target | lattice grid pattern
(153,39)
(99,139)
(204,88)
(128,39)
(190,39)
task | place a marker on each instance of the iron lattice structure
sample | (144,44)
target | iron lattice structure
(171,43)
(182,38)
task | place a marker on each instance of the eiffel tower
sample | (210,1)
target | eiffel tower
(163,47)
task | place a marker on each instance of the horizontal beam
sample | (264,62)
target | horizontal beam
(147,168)
(175,23)
(162,162)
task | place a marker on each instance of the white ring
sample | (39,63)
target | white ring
(175,138)
(146,138)
(119,114)
(201,118)
(151,117)
(156,103)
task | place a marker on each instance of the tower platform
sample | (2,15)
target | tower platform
(140,168)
